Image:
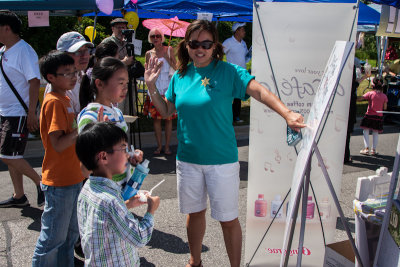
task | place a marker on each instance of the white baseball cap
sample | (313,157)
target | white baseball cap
(238,25)
(71,42)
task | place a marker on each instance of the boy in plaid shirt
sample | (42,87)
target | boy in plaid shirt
(109,233)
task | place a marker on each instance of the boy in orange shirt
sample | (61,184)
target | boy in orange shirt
(61,173)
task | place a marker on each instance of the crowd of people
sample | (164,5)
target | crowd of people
(84,135)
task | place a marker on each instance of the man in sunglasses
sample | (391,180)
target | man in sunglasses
(236,50)
(79,49)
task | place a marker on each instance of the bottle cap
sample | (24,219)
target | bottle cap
(145,163)
(260,195)
(309,198)
(277,198)
(132,152)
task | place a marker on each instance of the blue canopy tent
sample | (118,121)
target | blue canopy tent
(223,10)
(220,8)
(368,15)
(394,3)
(56,7)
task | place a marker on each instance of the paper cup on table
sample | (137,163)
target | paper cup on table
(130,119)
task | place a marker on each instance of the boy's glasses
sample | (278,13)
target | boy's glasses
(70,75)
(194,44)
(155,36)
(125,149)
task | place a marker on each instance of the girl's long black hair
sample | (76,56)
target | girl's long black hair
(102,70)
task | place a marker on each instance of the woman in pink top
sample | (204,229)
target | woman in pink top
(373,120)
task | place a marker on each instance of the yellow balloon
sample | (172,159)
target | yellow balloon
(133,19)
(89,33)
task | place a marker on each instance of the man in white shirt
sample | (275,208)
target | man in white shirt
(236,53)
(79,49)
(20,65)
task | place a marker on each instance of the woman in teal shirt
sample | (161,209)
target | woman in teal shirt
(201,92)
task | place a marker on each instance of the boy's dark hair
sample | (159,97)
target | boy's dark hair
(50,63)
(97,137)
(10,19)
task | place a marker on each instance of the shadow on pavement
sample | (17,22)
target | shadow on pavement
(244,165)
(35,214)
(145,263)
(372,162)
(350,223)
(170,243)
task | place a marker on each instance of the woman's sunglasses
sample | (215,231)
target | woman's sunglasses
(194,44)
(155,35)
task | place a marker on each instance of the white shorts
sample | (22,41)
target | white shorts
(220,182)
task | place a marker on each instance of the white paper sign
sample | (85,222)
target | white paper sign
(205,16)
(138,47)
(38,18)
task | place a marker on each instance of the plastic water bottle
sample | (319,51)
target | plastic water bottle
(135,181)
(367,68)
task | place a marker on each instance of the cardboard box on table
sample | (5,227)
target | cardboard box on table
(339,254)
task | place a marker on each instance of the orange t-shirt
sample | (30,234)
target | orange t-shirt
(58,169)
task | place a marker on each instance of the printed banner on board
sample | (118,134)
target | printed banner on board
(299,39)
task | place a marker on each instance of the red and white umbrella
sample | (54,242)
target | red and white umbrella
(171,27)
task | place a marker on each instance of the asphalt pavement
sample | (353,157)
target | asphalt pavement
(19,227)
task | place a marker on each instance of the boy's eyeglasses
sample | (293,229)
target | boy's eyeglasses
(194,44)
(125,149)
(82,53)
(155,36)
(70,75)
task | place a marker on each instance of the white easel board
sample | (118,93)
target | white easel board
(327,86)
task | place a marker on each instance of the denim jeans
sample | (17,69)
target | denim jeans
(59,231)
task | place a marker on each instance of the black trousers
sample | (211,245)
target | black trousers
(236,106)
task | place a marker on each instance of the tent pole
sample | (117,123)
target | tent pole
(94,26)
(378,50)
(383,54)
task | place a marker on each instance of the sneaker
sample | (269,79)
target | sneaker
(238,120)
(364,151)
(14,202)
(40,196)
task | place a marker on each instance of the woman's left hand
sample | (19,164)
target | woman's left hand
(137,157)
(134,202)
(295,120)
